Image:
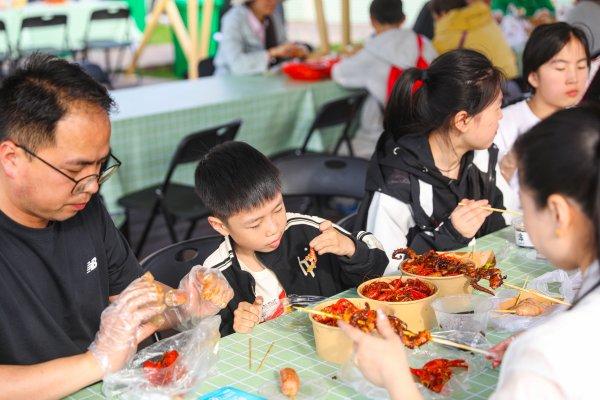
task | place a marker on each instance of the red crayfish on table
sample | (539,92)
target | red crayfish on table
(436,264)
(436,373)
(397,290)
(365,319)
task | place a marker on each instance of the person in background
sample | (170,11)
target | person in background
(434,167)
(542,11)
(371,67)
(586,16)
(470,25)
(556,63)
(253,39)
(561,199)
(424,23)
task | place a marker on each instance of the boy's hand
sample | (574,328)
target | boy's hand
(332,241)
(247,316)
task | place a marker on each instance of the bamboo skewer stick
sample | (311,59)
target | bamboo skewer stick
(520,292)
(543,296)
(500,210)
(264,357)
(250,354)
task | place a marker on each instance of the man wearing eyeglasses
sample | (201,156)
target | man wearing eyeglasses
(73,306)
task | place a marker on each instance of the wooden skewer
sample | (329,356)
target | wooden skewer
(450,343)
(250,354)
(543,296)
(264,357)
(500,210)
(520,292)
(317,312)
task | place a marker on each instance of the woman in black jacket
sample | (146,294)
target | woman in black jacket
(434,168)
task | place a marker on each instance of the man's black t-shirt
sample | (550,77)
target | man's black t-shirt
(55,283)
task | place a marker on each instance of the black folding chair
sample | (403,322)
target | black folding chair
(108,44)
(5,56)
(336,113)
(176,201)
(43,22)
(97,73)
(348,222)
(170,264)
(316,175)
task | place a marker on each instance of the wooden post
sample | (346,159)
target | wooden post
(179,28)
(150,27)
(322,26)
(207,16)
(192,13)
(346,34)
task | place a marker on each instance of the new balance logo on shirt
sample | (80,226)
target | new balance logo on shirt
(91,265)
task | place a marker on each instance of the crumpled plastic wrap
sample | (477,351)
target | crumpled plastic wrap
(351,375)
(568,285)
(197,350)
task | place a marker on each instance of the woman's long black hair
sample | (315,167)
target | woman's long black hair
(561,154)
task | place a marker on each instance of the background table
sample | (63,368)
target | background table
(78,16)
(276,113)
(294,342)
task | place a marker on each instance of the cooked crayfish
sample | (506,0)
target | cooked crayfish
(444,264)
(397,290)
(436,373)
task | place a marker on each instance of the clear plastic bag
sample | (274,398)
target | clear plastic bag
(567,286)
(351,375)
(197,349)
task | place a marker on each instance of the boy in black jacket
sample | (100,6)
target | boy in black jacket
(264,247)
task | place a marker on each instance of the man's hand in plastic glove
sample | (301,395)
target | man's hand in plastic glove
(206,291)
(124,324)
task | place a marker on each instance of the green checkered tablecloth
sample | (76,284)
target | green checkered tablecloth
(276,114)
(78,16)
(294,342)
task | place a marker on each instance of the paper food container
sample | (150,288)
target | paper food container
(456,284)
(417,314)
(331,343)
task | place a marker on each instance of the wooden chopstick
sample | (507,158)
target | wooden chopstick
(500,210)
(317,312)
(264,357)
(520,293)
(450,343)
(534,292)
(506,311)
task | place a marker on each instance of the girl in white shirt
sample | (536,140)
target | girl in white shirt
(556,64)
(560,193)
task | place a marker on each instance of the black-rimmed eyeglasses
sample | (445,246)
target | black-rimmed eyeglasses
(82,184)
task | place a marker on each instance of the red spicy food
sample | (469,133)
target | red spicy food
(440,264)
(436,373)
(162,371)
(397,290)
(366,320)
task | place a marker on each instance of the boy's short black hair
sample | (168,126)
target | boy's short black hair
(234,177)
(387,11)
(35,97)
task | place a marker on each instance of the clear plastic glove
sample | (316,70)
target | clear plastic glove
(206,291)
(123,325)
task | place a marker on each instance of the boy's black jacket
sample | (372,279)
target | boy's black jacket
(333,274)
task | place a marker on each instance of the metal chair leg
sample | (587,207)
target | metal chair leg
(140,246)
(190,230)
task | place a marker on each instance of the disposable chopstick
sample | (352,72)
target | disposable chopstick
(534,292)
(506,311)
(264,357)
(500,210)
(317,312)
(450,343)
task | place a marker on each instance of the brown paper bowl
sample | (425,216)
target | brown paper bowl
(457,284)
(331,343)
(417,314)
